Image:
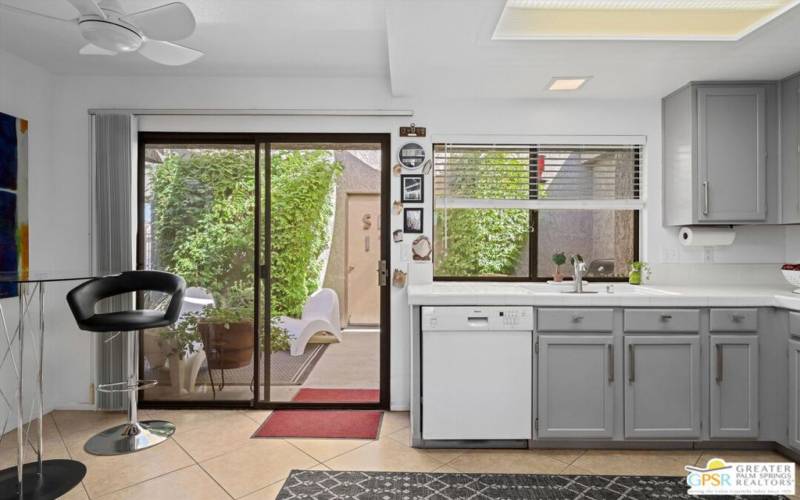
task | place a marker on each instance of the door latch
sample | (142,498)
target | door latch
(383,273)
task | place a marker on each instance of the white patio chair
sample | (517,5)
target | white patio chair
(320,314)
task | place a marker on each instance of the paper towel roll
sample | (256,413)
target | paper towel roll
(706,236)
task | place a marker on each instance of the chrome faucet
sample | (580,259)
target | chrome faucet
(579,270)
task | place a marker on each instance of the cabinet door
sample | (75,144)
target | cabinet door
(662,386)
(734,386)
(794,394)
(576,380)
(731,149)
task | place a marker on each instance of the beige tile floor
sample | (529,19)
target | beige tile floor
(213,457)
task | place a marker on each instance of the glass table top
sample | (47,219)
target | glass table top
(40,276)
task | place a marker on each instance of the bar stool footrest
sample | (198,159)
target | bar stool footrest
(126,387)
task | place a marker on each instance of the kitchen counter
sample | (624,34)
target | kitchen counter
(622,295)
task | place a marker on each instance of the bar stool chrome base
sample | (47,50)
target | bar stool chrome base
(57,478)
(130,437)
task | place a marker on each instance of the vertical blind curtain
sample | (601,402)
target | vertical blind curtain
(537,176)
(114,155)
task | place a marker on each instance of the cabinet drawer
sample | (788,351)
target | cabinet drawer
(734,320)
(576,320)
(794,323)
(662,320)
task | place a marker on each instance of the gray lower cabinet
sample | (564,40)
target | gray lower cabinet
(733,380)
(662,386)
(794,393)
(576,381)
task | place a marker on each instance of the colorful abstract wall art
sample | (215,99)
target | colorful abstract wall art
(13,200)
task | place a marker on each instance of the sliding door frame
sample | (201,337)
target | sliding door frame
(384,139)
(261,270)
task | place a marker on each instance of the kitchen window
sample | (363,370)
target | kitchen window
(502,211)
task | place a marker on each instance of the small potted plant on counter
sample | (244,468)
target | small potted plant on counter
(635,270)
(559,259)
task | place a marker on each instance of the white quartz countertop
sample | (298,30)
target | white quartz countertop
(620,294)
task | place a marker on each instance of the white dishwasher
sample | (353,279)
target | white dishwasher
(476,372)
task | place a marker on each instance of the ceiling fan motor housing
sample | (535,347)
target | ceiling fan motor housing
(111,35)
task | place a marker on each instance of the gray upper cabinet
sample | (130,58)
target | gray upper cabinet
(720,144)
(790,150)
(734,386)
(662,386)
(576,382)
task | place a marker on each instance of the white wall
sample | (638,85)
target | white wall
(26,92)
(60,188)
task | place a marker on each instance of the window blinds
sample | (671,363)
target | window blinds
(537,176)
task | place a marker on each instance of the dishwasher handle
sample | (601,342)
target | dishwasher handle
(478,321)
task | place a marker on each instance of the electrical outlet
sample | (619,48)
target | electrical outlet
(708,255)
(669,255)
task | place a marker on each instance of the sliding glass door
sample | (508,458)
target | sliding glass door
(325,228)
(280,238)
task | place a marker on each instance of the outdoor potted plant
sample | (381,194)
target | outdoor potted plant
(635,270)
(559,259)
(227,329)
(180,344)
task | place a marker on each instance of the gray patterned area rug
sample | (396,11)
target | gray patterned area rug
(332,485)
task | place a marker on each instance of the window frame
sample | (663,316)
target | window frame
(533,236)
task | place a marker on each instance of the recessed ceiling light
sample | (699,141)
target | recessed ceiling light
(567,82)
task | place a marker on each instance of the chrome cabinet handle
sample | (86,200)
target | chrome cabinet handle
(705,197)
(737,318)
(666,317)
(719,363)
(610,363)
(577,318)
(631,364)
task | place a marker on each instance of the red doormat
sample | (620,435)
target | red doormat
(346,424)
(338,395)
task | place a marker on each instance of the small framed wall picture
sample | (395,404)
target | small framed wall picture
(412,188)
(412,220)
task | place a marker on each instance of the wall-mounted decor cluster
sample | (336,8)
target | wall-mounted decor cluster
(13,200)
(412,220)
(411,155)
(412,188)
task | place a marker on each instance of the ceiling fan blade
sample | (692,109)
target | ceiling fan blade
(88,8)
(93,50)
(173,21)
(169,54)
(24,12)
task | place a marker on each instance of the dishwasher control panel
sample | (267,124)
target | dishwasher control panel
(465,318)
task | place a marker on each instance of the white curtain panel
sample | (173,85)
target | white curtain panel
(113,215)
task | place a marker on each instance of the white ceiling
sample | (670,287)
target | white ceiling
(425,49)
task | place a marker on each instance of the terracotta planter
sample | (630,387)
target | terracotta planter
(227,348)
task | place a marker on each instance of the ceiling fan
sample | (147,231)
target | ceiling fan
(110,30)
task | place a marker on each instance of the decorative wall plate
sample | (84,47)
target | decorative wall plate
(421,248)
(411,155)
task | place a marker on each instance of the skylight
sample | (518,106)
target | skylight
(636,19)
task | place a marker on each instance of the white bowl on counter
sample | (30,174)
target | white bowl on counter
(793,277)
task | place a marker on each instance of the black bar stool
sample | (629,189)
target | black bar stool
(133,435)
